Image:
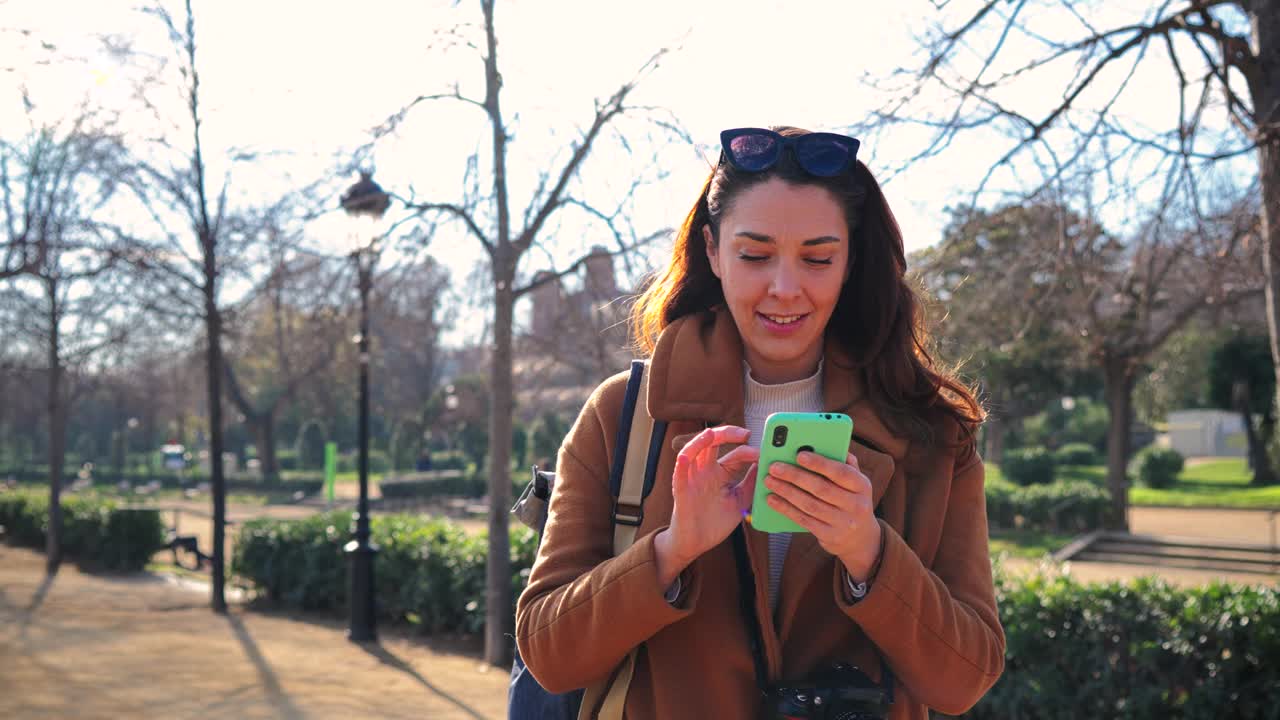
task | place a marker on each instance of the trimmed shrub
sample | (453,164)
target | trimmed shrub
(1063,505)
(310,446)
(432,483)
(1075,454)
(379,462)
(287,460)
(449,460)
(1156,467)
(431,574)
(1028,466)
(97,532)
(1135,650)
(291,481)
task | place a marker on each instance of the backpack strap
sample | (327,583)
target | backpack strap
(634,462)
(631,478)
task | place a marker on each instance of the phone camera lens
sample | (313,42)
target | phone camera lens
(780,436)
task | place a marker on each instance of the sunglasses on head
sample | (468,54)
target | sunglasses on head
(756,150)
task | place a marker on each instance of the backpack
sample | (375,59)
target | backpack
(631,476)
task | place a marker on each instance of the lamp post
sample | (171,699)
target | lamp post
(130,426)
(363,200)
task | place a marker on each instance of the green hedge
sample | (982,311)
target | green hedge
(432,484)
(1156,467)
(379,462)
(444,483)
(308,483)
(1143,649)
(1080,505)
(429,572)
(1028,466)
(97,532)
(1075,454)
(1135,650)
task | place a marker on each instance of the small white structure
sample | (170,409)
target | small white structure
(1216,433)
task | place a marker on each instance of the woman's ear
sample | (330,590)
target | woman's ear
(713,252)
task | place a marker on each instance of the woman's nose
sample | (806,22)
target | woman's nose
(784,284)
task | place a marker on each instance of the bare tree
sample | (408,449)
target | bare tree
(1124,297)
(194,253)
(288,330)
(408,318)
(1219,59)
(997,259)
(66,305)
(486,216)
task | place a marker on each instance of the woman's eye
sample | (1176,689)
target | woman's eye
(752,258)
(818,261)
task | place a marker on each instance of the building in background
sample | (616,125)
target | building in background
(575,337)
(1199,433)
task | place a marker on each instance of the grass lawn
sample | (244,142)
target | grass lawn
(1215,483)
(1218,482)
(1026,543)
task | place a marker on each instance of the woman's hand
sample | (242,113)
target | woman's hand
(710,495)
(833,501)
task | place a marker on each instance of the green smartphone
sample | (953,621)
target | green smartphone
(785,435)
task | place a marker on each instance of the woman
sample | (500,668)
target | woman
(786,291)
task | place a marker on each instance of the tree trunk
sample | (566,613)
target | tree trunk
(1263,475)
(1265,91)
(1257,446)
(1118,379)
(57,436)
(213,357)
(503,257)
(498,616)
(264,432)
(996,431)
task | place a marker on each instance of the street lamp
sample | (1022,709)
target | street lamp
(366,202)
(130,425)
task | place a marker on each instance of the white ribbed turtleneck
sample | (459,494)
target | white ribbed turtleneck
(760,401)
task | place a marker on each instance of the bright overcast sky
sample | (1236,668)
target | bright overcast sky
(311,78)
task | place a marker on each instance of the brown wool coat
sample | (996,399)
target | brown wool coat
(930,611)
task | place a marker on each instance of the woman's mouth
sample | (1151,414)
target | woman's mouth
(782,324)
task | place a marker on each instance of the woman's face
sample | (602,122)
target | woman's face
(782,259)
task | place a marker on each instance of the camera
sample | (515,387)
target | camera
(837,692)
(780,436)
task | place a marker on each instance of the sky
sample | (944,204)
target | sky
(306,81)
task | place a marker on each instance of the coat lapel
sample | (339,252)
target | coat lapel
(696,374)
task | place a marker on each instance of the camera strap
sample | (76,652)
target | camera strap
(747,600)
(755,636)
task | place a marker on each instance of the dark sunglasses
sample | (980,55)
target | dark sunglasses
(757,150)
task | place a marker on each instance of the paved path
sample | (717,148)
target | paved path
(1245,526)
(87,646)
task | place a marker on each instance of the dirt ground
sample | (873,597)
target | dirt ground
(90,646)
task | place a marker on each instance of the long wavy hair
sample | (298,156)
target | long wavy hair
(878,320)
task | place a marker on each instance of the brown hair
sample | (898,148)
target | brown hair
(878,319)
